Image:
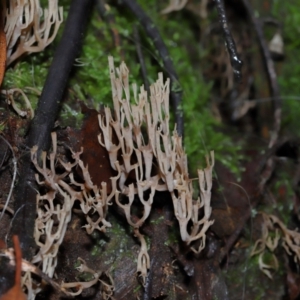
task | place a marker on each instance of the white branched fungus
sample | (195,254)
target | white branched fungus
(138,140)
(56,204)
(138,132)
(273,230)
(28,27)
(107,288)
(80,286)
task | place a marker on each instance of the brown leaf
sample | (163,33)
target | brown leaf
(94,155)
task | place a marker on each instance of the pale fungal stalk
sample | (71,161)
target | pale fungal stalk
(200,7)
(174,5)
(80,286)
(135,150)
(107,288)
(11,95)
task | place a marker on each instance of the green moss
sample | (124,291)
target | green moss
(28,75)
(119,245)
(157,221)
(2,127)
(137,289)
(91,79)
(173,236)
(85,276)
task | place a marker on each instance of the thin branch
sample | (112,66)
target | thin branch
(270,70)
(236,63)
(267,164)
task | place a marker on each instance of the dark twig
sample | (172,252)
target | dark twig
(43,122)
(270,70)
(140,55)
(268,163)
(110,20)
(236,63)
(154,35)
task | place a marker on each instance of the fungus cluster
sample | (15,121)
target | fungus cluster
(54,212)
(274,231)
(54,207)
(138,139)
(28,27)
(147,158)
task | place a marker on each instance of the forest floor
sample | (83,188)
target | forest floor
(253,247)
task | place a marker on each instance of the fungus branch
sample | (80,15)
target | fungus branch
(107,284)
